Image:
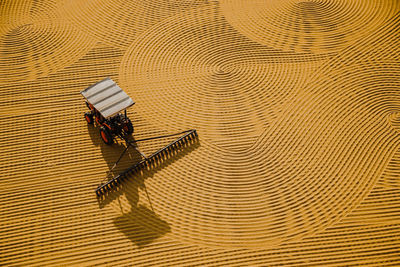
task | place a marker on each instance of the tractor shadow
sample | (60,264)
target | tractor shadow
(140,224)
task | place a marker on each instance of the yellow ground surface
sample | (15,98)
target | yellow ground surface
(297,107)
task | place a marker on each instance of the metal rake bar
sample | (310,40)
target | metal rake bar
(153,159)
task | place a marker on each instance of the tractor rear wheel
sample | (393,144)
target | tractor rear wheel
(89,117)
(106,136)
(128,127)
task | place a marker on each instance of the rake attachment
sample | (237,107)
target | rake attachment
(153,160)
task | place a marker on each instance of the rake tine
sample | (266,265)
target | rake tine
(141,166)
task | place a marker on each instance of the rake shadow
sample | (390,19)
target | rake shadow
(141,224)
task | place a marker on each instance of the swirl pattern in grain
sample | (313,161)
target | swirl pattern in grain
(311,25)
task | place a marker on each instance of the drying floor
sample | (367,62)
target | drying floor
(297,107)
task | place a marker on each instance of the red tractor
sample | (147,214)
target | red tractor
(105,101)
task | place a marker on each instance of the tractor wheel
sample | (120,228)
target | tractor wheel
(128,127)
(89,117)
(106,135)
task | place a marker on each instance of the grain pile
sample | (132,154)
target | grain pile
(297,106)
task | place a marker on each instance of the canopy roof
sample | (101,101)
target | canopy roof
(107,97)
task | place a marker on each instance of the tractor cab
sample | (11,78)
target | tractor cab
(107,104)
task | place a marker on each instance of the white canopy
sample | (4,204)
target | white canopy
(107,97)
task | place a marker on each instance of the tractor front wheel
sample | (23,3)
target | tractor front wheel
(128,127)
(89,117)
(106,136)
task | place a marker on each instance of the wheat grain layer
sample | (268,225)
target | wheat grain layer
(297,107)
(38,41)
(316,26)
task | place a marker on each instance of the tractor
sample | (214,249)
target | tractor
(106,100)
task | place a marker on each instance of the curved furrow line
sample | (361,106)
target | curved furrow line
(308,26)
(39,43)
(325,155)
(117,22)
(296,104)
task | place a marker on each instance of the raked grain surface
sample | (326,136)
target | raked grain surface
(297,107)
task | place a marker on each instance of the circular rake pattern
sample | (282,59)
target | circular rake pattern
(195,67)
(14,13)
(119,22)
(317,26)
(39,43)
(319,156)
